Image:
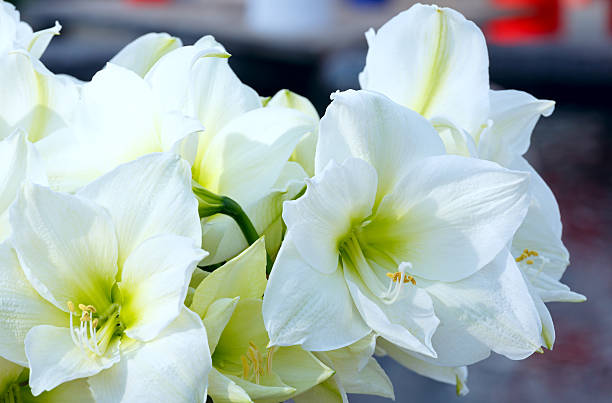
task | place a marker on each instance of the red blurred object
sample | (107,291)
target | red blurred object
(539,19)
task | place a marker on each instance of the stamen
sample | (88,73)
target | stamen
(397,280)
(245,367)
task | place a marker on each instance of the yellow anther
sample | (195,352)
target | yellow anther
(245,366)
(529,262)
(534,253)
(95,323)
(85,317)
(82,307)
(71,307)
(91,308)
(397,277)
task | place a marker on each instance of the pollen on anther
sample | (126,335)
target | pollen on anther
(71,306)
(529,262)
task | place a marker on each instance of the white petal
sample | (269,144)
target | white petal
(216,96)
(304,152)
(541,229)
(336,198)
(171,77)
(40,40)
(142,53)
(304,306)
(21,308)
(67,246)
(370,126)
(247,157)
(32,98)
(171,368)
(154,283)
(450,216)
(244,276)
(70,392)
(224,390)
(18,162)
(329,391)
(456,141)
(514,115)
(216,318)
(410,322)
(54,358)
(433,61)
(117,114)
(494,306)
(162,183)
(452,375)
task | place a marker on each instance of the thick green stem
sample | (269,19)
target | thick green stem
(211,204)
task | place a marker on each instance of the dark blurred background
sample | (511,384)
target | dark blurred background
(555,49)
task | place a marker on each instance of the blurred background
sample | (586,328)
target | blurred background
(555,49)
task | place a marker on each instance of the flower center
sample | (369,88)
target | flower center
(95,331)
(531,259)
(253,362)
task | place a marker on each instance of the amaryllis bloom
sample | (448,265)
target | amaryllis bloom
(393,236)
(435,62)
(93,285)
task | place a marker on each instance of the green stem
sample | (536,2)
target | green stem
(211,204)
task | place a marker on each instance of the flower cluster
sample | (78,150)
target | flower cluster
(168,234)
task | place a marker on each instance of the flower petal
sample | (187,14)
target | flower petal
(336,198)
(433,61)
(154,283)
(452,375)
(32,98)
(66,245)
(450,216)
(21,308)
(410,322)
(18,162)
(41,39)
(244,276)
(494,306)
(216,319)
(304,306)
(70,392)
(247,157)
(55,359)
(514,115)
(224,390)
(142,53)
(162,183)
(304,152)
(299,368)
(173,367)
(370,126)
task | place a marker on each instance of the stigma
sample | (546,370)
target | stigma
(253,362)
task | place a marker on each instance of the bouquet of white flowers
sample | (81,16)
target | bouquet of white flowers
(168,234)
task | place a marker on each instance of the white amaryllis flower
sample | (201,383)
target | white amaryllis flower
(19,162)
(95,285)
(32,98)
(244,151)
(393,236)
(16,34)
(435,62)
